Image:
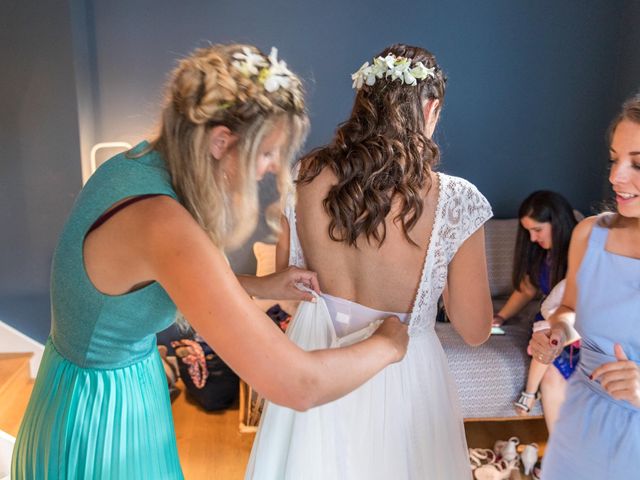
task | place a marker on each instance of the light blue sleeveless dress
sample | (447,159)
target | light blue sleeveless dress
(100,405)
(597,437)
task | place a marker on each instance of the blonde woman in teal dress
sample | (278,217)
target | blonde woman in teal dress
(147,235)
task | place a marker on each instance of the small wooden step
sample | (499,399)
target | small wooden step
(15,389)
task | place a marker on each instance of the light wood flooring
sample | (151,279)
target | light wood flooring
(209,444)
(211,447)
(15,390)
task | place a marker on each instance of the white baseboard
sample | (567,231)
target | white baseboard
(13,341)
(6,449)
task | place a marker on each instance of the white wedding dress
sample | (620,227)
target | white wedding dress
(404,423)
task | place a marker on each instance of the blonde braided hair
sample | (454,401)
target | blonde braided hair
(207,89)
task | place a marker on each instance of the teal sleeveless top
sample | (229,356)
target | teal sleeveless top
(100,405)
(90,328)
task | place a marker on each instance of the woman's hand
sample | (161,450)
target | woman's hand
(546,345)
(396,333)
(620,379)
(282,285)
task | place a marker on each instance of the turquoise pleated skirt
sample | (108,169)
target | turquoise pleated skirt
(87,423)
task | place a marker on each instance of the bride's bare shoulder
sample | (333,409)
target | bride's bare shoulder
(314,178)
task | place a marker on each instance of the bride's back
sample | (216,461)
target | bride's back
(363,194)
(385,277)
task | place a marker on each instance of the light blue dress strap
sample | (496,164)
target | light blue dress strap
(599,232)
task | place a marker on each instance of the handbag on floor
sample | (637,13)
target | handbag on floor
(208,380)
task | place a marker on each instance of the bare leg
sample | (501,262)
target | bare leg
(537,371)
(553,388)
(528,398)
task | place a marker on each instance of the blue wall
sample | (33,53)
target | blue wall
(627,74)
(527,98)
(39,154)
(532,87)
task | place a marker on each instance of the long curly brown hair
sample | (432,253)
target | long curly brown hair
(380,153)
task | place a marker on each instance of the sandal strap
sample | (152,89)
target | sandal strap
(526,401)
(529,395)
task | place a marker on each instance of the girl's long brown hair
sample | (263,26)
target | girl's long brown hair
(379,154)
(529,258)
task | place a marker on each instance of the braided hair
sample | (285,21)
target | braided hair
(210,88)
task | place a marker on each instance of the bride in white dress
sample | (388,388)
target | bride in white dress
(386,235)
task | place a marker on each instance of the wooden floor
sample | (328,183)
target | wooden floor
(211,447)
(209,444)
(15,390)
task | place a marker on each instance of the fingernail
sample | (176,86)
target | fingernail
(314,299)
(554,342)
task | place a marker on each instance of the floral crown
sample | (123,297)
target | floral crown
(396,68)
(269,72)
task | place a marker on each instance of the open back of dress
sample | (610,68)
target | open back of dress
(405,422)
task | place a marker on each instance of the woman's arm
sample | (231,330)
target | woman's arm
(468,301)
(518,300)
(281,285)
(619,378)
(546,345)
(282,247)
(565,314)
(198,279)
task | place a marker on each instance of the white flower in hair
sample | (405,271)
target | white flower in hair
(395,68)
(382,65)
(277,75)
(388,62)
(399,68)
(420,72)
(270,72)
(365,74)
(248,62)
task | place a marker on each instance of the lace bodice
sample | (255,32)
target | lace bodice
(461,210)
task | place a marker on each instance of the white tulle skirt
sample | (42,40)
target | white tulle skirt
(405,423)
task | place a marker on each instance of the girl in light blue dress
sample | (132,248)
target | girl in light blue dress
(597,435)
